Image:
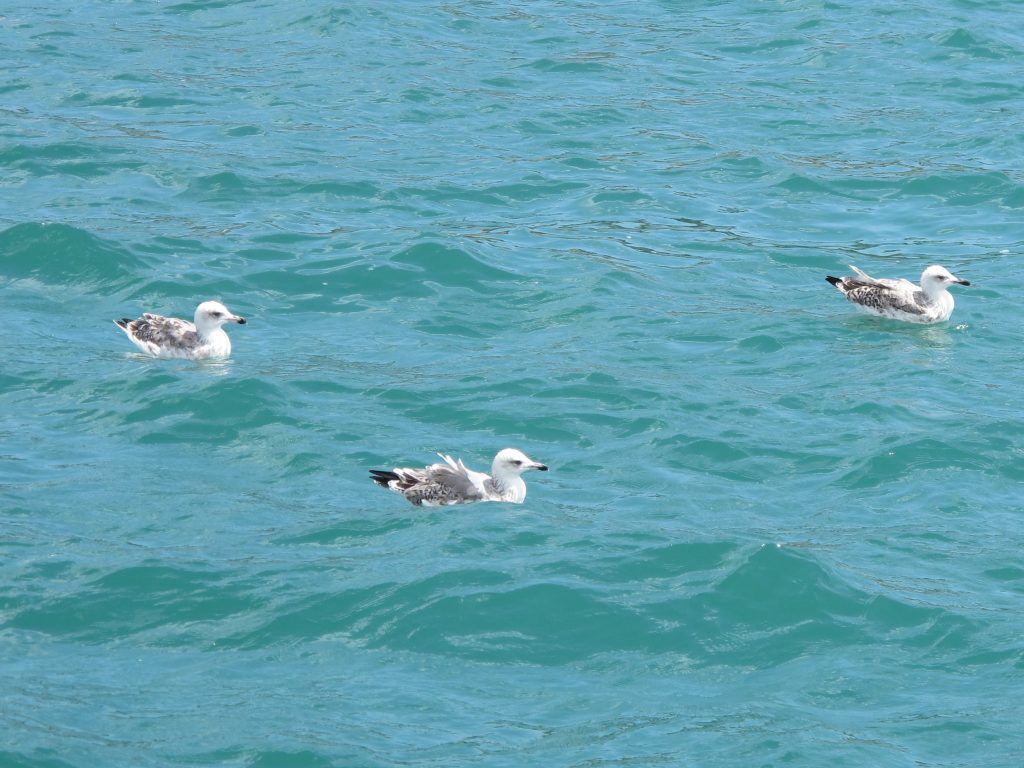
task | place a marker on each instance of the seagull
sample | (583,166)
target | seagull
(452,483)
(170,337)
(929,302)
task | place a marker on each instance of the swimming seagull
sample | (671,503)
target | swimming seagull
(170,337)
(452,483)
(929,302)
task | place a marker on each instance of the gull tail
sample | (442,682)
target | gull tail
(839,283)
(383,477)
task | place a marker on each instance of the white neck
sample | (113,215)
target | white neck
(216,338)
(511,487)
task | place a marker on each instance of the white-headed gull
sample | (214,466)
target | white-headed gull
(170,337)
(452,483)
(929,302)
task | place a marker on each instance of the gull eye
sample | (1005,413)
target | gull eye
(215,314)
(516,462)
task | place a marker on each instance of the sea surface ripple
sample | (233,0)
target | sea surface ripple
(775,531)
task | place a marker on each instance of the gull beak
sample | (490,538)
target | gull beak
(962,282)
(238,319)
(541,467)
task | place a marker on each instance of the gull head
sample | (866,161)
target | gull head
(936,279)
(512,463)
(211,315)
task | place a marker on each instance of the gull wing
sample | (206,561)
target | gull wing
(887,299)
(156,333)
(436,485)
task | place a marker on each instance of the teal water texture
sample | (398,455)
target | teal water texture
(775,532)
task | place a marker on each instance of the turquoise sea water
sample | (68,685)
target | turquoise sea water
(775,532)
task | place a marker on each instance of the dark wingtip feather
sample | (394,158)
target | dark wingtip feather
(123,322)
(382,476)
(834,280)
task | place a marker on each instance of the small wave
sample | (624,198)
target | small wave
(899,459)
(59,254)
(151,600)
